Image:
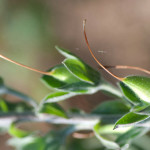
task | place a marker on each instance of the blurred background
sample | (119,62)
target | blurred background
(118,31)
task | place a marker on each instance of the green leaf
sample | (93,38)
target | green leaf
(13,130)
(28,143)
(130,135)
(137,89)
(58,96)
(3,106)
(77,77)
(112,107)
(128,92)
(52,108)
(107,143)
(63,80)
(130,119)
(59,77)
(66,53)
(73,75)
(82,71)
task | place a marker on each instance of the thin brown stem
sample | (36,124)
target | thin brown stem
(24,66)
(128,67)
(118,78)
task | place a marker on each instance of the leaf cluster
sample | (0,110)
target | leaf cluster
(116,123)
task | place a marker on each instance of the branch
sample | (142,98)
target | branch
(21,96)
(84,122)
(88,120)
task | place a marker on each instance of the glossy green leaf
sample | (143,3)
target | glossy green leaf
(63,80)
(82,71)
(60,77)
(137,89)
(130,119)
(66,53)
(130,135)
(52,108)
(76,76)
(112,107)
(131,96)
(13,130)
(58,96)
(107,143)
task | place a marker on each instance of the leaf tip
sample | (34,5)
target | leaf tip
(115,127)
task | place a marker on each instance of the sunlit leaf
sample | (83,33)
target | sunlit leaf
(63,80)
(59,77)
(130,119)
(82,71)
(66,53)
(137,89)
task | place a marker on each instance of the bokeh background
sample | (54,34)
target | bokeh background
(118,31)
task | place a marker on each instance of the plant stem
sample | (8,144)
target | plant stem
(111,89)
(87,120)
(21,96)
